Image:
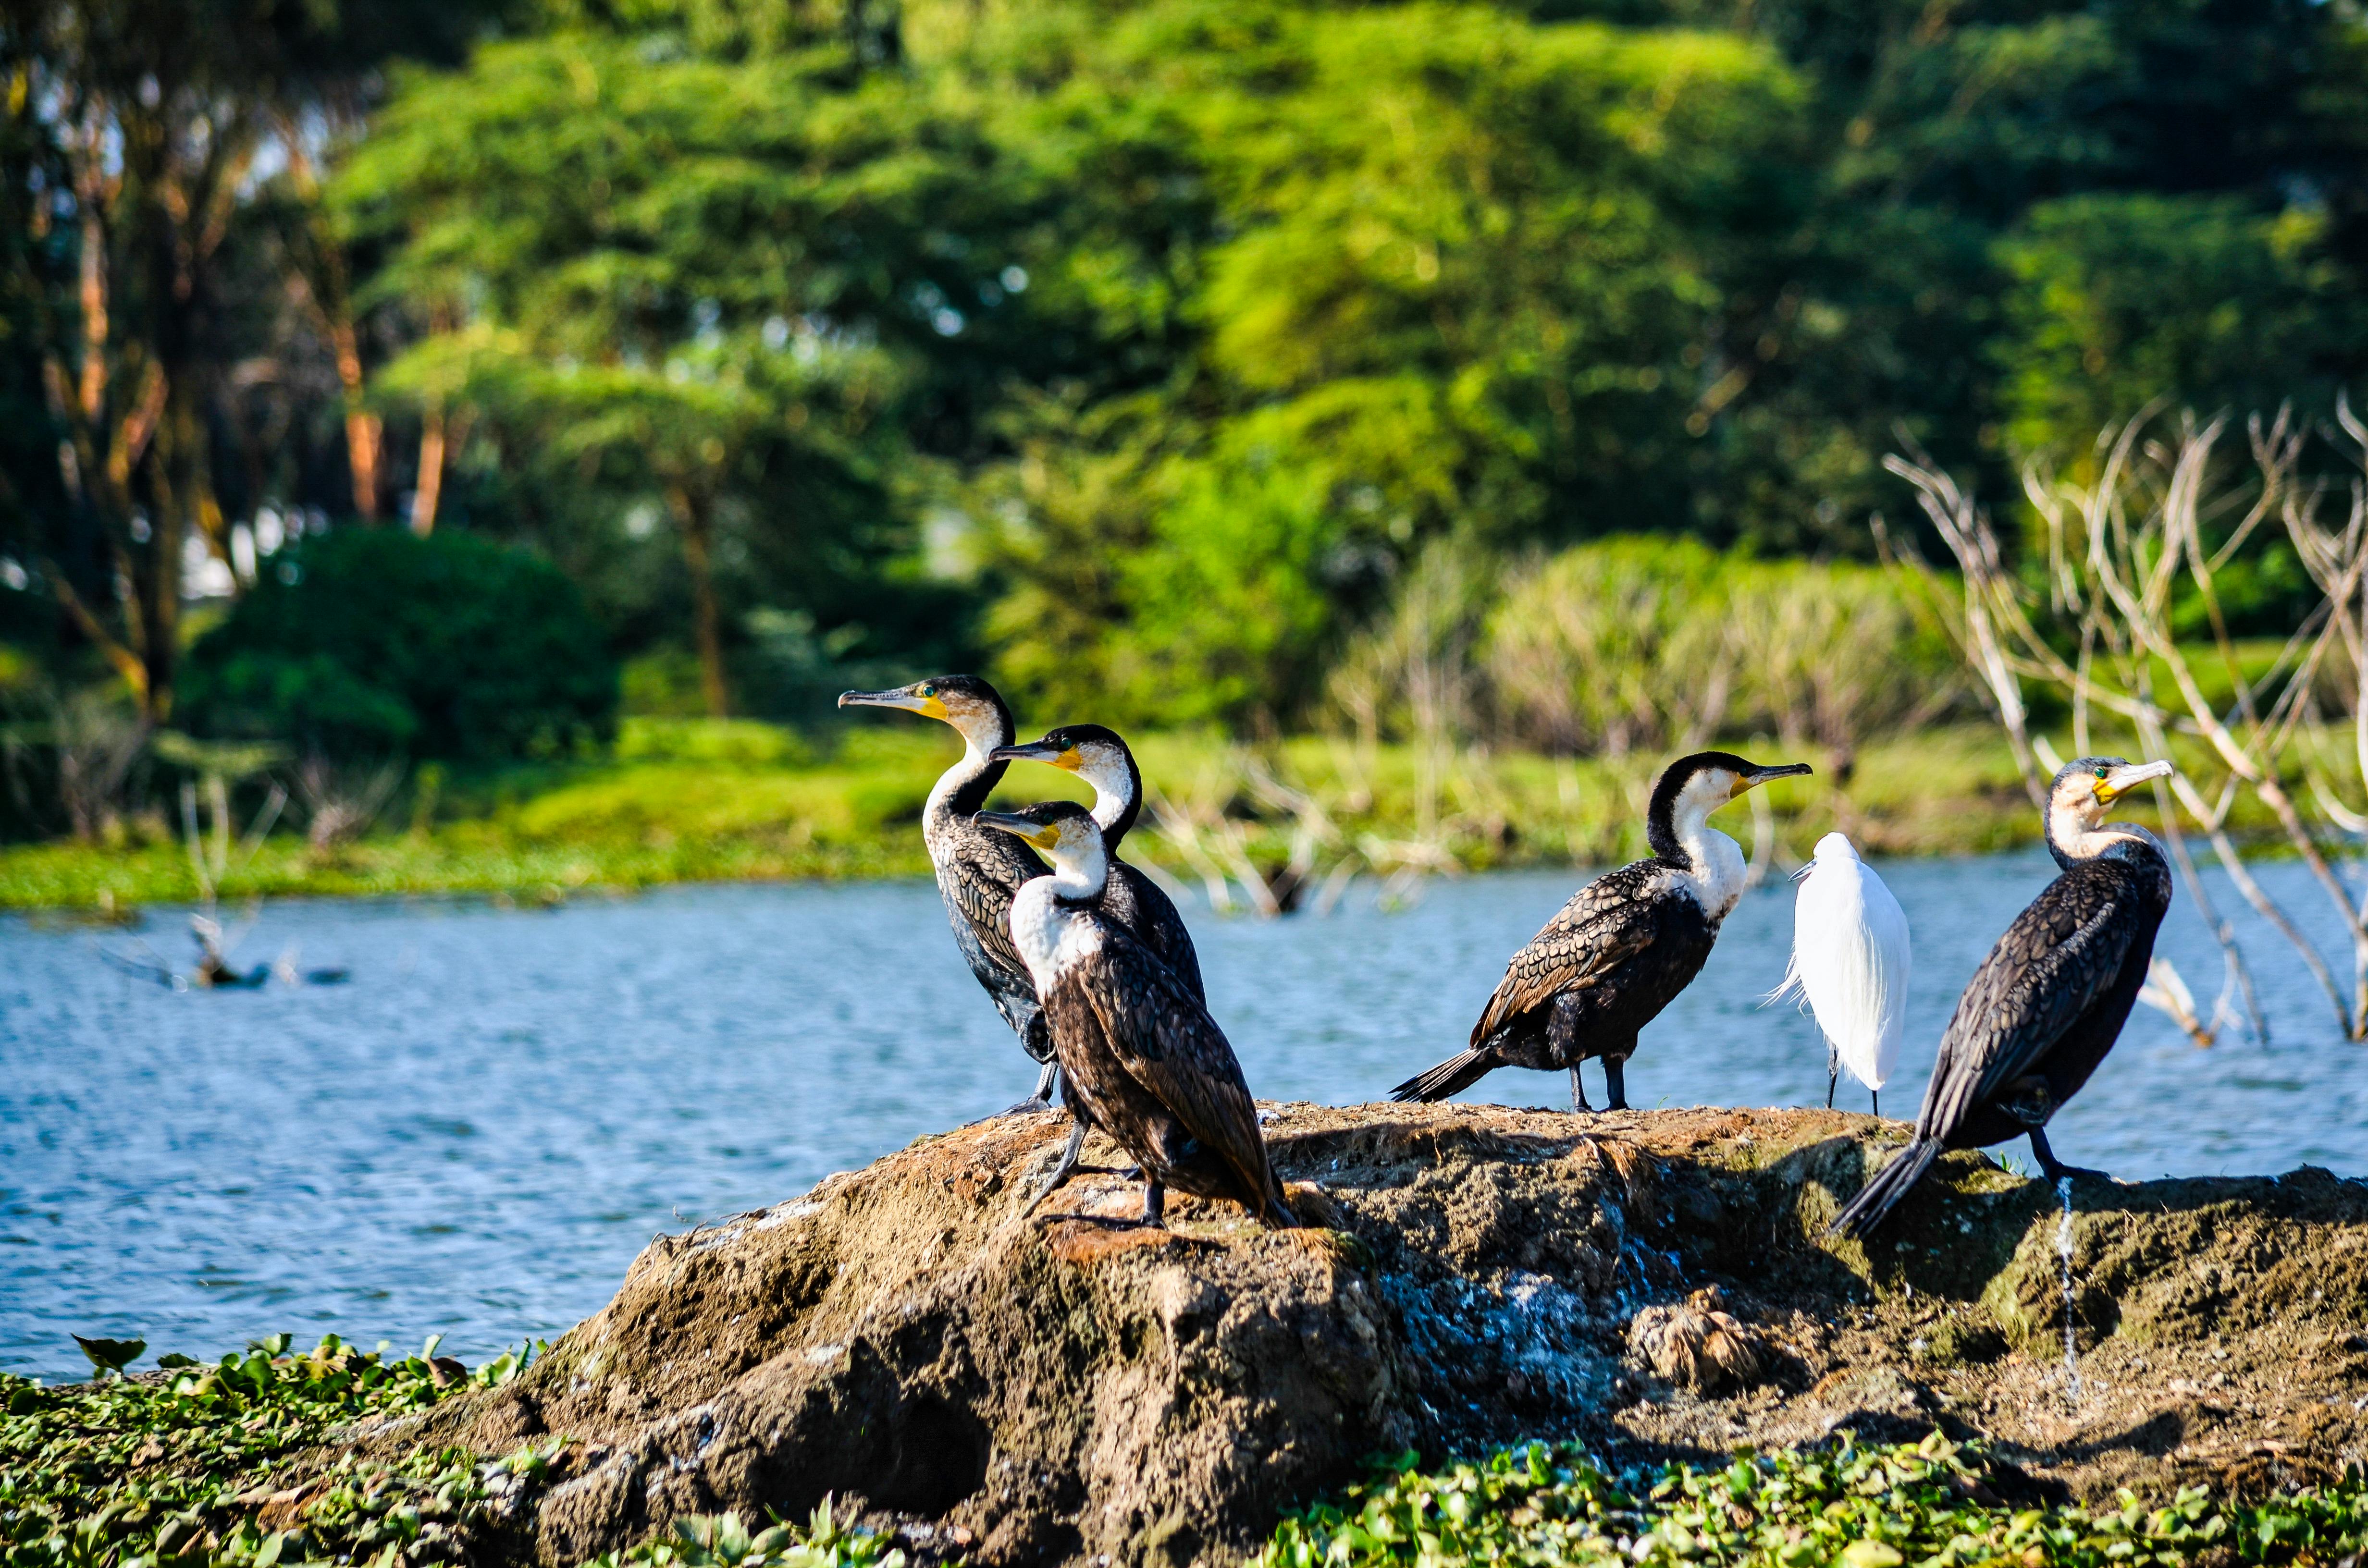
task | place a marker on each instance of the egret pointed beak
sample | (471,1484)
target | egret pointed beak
(1802,873)
(904,696)
(2128,777)
(1759,776)
(1034,751)
(1019,827)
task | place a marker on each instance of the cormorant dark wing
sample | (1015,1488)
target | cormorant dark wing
(984,870)
(2056,961)
(1161,928)
(1606,923)
(1165,1040)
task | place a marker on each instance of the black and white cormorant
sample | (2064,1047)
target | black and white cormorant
(1621,948)
(977,871)
(1140,1057)
(1099,757)
(2051,998)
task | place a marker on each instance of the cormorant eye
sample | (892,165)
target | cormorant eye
(2104,772)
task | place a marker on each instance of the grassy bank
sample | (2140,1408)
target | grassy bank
(192,1465)
(691,801)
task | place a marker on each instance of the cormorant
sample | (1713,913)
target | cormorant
(1103,760)
(1621,948)
(1140,1057)
(977,871)
(1851,960)
(2051,998)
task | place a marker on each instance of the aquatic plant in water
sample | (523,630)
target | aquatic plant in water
(1929,1503)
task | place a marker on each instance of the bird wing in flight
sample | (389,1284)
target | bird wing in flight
(1606,923)
(1168,1042)
(2057,960)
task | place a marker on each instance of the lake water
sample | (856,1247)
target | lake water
(476,1133)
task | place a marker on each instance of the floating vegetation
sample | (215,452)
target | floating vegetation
(187,1464)
(191,1466)
(1933,1505)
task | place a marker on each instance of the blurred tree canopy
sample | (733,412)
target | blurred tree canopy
(1137,346)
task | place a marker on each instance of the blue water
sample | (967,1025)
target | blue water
(476,1133)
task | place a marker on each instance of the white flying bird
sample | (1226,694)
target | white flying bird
(1850,958)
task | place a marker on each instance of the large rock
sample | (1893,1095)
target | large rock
(1054,1391)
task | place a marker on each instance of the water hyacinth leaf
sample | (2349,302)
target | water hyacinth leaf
(111,1355)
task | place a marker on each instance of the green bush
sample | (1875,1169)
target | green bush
(372,643)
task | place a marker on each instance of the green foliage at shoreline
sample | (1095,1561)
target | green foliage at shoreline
(1857,1506)
(191,1466)
(186,1465)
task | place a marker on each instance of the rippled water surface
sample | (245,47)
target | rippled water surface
(478,1132)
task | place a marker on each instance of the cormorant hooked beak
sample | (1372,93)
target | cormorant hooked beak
(1759,776)
(1043,836)
(911,699)
(1066,759)
(2113,783)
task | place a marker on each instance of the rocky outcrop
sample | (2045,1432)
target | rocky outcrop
(1023,1390)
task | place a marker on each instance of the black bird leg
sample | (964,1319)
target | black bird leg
(1615,1083)
(1873,1097)
(1562,1030)
(2054,1168)
(1048,1085)
(1833,1072)
(1062,1170)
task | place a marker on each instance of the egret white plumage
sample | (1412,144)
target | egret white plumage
(1850,958)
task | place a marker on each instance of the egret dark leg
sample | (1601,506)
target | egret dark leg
(1615,1083)
(1832,1078)
(2054,1168)
(1873,1097)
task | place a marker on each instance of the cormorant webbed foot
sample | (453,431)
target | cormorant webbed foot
(1154,1205)
(1615,1083)
(2055,1169)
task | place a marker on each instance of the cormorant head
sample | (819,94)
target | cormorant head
(1062,829)
(2081,793)
(1097,756)
(1692,787)
(973,708)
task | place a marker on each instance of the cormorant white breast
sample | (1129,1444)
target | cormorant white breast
(1141,1058)
(977,871)
(2052,996)
(1850,958)
(1102,759)
(1621,948)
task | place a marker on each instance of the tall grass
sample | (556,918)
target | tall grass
(1648,645)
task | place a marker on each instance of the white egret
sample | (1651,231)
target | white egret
(1851,960)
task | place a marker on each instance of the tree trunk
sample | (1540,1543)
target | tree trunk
(429,490)
(690,516)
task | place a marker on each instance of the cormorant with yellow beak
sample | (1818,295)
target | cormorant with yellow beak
(1099,757)
(977,871)
(2050,1000)
(1621,948)
(1140,1057)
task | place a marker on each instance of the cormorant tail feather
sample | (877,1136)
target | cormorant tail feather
(1454,1075)
(1875,1201)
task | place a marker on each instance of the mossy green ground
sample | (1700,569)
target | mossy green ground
(189,1467)
(701,800)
